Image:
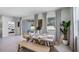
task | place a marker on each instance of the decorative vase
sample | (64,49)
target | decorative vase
(65,42)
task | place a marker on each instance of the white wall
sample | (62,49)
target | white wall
(65,14)
(28,17)
(58,20)
(5,20)
(17,29)
(51,14)
(40,16)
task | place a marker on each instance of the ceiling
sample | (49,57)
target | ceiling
(24,11)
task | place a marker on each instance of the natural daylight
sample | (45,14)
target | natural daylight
(39,29)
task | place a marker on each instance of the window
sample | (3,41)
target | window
(51,26)
(32,27)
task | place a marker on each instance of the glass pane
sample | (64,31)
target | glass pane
(51,29)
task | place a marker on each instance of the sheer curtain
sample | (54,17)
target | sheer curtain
(76,28)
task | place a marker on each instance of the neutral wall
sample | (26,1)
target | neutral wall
(5,20)
(17,29)
(65,14)
(51,14)
(58,20)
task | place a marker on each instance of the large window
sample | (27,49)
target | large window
(51,26)
(32,28)
(51,22)
(28,26)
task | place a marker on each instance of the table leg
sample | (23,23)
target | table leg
(47,43)
(19,48)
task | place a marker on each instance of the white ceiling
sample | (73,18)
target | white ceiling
(24,11)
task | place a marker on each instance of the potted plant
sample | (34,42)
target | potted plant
(64,29)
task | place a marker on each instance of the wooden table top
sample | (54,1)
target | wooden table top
(34,47)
